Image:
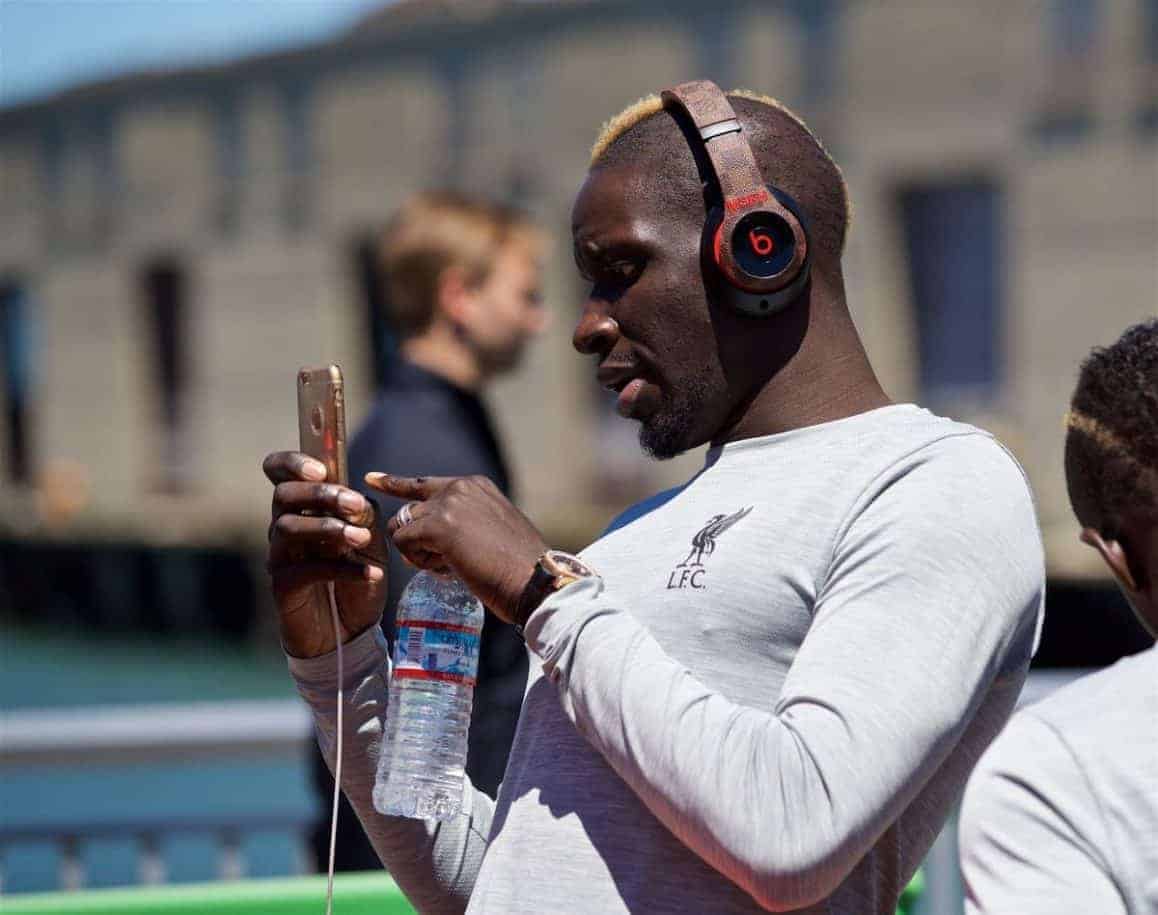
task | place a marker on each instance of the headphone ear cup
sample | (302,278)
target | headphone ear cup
(719,275)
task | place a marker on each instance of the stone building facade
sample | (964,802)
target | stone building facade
(173,245)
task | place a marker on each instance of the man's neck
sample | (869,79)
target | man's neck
(440,353)
(827,378)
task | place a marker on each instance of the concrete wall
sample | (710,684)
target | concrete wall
(902,92)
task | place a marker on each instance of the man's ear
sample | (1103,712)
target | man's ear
(455,297)
(1114,556)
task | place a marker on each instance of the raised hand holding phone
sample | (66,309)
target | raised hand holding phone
(322,531)
(326,555)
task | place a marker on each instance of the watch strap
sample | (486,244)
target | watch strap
(554,570)
(538,587)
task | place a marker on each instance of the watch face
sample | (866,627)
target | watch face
(564,564)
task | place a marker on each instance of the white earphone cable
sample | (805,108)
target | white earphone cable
(338,759)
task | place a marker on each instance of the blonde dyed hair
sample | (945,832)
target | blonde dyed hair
(1109,443)
(651,105)
(440,230)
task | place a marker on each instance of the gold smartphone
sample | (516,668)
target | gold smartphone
(322,419)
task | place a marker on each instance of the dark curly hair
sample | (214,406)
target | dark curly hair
(1112,437)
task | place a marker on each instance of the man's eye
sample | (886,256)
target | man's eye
(626,271)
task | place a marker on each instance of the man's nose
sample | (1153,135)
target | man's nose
(596,332)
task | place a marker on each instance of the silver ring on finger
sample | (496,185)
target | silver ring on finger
(405,514)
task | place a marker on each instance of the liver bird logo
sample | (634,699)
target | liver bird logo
(704,542)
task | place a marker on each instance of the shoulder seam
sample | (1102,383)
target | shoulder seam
(846,521)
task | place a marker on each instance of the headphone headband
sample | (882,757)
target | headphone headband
(747,198)
(733,164)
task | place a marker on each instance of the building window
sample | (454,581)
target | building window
(820,23)
(52,181)
(1147,116)
(1149,13)
(714,43)
(1066,113)
(107,180)
(375,307)
(230,151)
(297,200)
(1148,119)
(953,238)
(1073,28)
(165,297)
(16,353)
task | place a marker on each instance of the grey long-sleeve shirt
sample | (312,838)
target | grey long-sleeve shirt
(1061,814)
(770,700)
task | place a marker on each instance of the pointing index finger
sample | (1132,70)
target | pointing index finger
(413,488)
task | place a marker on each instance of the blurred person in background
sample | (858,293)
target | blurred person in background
(1061,814)
(763,689)
(462,282)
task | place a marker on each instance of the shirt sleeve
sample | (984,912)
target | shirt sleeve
(934,588)
(1031,832)
(435,864)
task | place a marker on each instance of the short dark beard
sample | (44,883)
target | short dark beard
(668,432)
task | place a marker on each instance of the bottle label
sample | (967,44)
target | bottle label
(431,650)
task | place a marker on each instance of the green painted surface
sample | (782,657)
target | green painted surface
(911,894)
(354,894)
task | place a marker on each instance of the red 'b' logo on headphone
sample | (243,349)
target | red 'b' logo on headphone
(761,242)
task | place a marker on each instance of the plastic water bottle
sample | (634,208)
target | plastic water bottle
(422,767)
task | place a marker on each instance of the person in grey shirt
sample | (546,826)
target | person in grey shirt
(761,690)
(1061,814)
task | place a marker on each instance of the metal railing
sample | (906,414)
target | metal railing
(69,839)
(144,734)
(153,733)
(245,729)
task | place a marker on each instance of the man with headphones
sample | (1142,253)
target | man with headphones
(763,689)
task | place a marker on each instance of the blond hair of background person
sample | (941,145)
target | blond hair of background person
(1061,814)
(462,286)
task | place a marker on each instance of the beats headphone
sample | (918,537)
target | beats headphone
(755,235)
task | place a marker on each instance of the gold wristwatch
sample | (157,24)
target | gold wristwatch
(554,570)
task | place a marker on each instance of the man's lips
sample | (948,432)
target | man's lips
(633,400)
(637,395)
(615,377)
